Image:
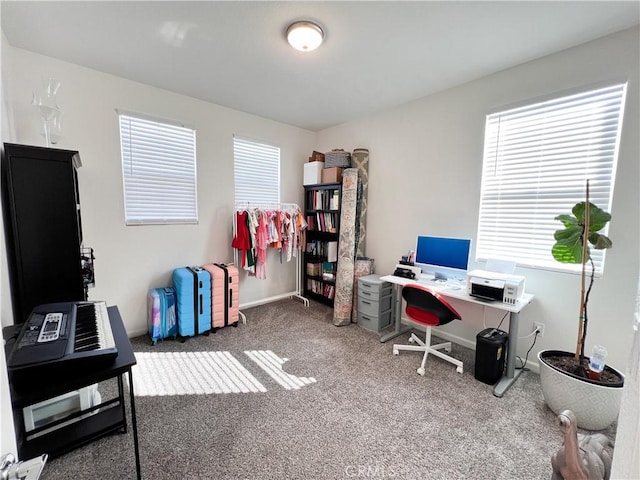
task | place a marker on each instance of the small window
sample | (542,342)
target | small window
(537,159)
(158,171)
(256,171)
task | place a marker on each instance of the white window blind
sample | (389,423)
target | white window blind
(537,159)
(159,171)
(256,171)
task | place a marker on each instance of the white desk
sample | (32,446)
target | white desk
(461,294)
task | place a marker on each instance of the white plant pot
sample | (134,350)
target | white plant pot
(596,406)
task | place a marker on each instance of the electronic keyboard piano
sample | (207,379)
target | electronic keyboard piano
(57,334)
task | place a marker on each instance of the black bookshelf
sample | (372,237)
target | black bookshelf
(322,204)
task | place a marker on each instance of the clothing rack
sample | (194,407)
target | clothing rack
(286,207)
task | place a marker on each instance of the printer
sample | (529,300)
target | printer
(502,287)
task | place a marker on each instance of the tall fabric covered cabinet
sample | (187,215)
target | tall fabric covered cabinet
(42,226)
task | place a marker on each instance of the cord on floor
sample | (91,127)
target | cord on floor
(522,367)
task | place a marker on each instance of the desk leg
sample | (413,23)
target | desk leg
(123,407)
(512,374)
(134,425)
(399,330)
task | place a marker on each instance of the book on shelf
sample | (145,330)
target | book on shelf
(329,292)
(314,269)
(322,222)
(324,200)
(329,271)
(316,248)
(332,251)
(311,248)
(314,286)
(326,222)
(323,248)
(334,202)
(311,222)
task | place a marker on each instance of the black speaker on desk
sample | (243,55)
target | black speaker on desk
(491,350)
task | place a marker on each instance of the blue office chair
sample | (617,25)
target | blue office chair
(427,308)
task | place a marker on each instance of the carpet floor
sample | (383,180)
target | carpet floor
(290,396)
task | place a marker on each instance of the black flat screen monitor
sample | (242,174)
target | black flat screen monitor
(443,258)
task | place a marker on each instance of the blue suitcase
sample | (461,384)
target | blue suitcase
(193,296)
(161,304)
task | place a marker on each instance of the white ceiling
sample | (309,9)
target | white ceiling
(376,55)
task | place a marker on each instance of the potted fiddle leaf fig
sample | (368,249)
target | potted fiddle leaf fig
(572,380)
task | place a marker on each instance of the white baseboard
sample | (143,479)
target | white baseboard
(137,332)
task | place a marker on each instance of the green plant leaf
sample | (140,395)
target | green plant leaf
(598,218)
(578,210)
(568,246)
(568,235)
(600,241)
(563,253)
(567,220)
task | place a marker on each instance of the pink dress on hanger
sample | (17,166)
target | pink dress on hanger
(262,242)
(277,241)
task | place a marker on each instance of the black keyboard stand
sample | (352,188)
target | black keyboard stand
(110,417)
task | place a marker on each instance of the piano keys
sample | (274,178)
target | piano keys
(58,334)
(93,331)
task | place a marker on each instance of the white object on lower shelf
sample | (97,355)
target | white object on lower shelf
(42,413)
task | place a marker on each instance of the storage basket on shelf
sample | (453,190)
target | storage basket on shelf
(337,158)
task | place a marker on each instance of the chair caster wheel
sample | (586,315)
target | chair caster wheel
(421,371)
(396,352)
(447,349)
(459,369)
(411,339)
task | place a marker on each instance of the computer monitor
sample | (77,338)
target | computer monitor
(444,258)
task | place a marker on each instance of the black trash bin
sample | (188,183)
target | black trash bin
(491,350)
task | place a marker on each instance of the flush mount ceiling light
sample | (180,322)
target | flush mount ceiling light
(305,36)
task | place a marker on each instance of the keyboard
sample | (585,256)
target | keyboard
(93,330)
(64,333)
(431,282)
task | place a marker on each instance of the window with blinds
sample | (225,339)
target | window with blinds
(256,172)
(158,170)
(537,159)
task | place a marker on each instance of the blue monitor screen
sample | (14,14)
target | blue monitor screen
(449,253)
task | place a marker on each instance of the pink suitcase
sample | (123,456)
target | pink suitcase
(225,295)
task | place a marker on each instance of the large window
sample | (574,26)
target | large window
(158,170)
(256,171)
(537,159)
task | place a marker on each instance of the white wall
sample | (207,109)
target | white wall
(130,260)
(425,173)
(7,435)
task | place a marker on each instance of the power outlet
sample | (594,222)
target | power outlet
(540,327)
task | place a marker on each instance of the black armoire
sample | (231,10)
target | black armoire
(43,228)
